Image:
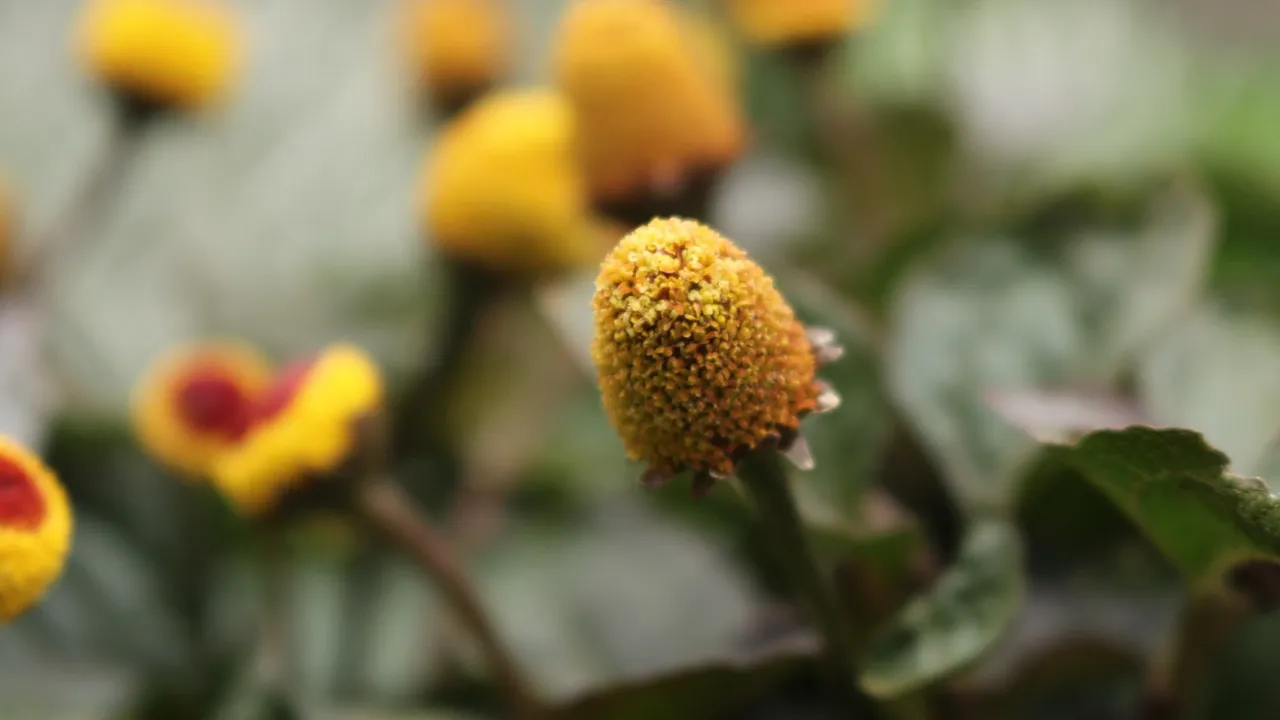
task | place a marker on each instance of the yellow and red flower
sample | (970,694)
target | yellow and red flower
(35,529)
(305,425)
(653,109)
(699,358)
(176,54)
(456,49)
(196,402)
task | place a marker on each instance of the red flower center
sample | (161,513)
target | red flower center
(21,505)
(214,403)
(281,392)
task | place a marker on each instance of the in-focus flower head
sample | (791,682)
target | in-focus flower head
(501,188)
(195,403)
(655,114)
(799,23)
(161,54)
(456,49)
(303,426)
(35,529)
(699,358)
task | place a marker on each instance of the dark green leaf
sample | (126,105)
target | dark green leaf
(693,693)
(1177,489)
(960,618)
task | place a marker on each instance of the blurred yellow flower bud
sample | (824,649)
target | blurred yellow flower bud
(501,188)
(35,529)
(162,54)
(195,403)
(305,425)
(698,356)
(799,23)
(456,49)
(652,116)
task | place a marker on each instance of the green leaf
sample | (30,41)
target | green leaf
(847,441)
(693,693)
(1215,373)
(994,315)
(624,596)
(957,621)
(1176,488)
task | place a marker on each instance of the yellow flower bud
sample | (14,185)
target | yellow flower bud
(35,529)
(174,54)
(195,403)
(501,187)
(651,114)
(698,356)
(303,426)
(792,23)
(456,49)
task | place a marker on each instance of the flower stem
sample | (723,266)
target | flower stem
(1205,624)
(765,479)
(388,509)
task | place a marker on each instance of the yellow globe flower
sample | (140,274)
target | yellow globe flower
(35,529)
(456,49)
(501,187)
(651,114)
(790,23)
(176,54)
(195,403)
(698,357)
(303,426)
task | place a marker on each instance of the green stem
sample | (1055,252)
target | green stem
(389,510)
(765,479)
(421,428)
(1204,626)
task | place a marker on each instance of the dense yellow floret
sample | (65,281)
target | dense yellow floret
(653,106)
(456,48)
(698,356)
(305,425)
(179,54)
(35,529)
(780,23)
(501,187)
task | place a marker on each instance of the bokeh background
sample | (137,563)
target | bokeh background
(1001,196)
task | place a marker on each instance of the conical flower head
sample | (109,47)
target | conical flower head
(698,356)
(652,112)
(501,188)
(162,54)
(456,49)
(792,23)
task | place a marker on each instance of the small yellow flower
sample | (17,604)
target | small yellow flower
(179,54)
(651,113)
(35,529)
(789,23)
(304,425)
(501,187)
(456,49)
(195,402)
(698,356)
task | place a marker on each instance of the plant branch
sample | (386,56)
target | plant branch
(1204,625)
(765,479)
(388,509)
